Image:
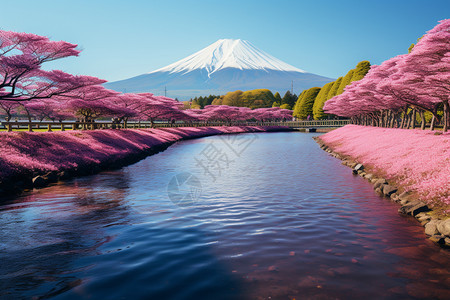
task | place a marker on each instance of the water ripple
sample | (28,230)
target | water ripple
(283,221)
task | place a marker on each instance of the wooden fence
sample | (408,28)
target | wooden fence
(72,125)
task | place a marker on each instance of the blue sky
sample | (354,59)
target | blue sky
(121,39)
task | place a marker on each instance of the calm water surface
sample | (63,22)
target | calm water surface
(276,218)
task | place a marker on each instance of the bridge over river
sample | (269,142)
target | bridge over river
(73,125)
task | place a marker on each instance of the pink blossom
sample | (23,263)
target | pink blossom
(415,159)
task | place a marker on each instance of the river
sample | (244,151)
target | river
(260,216)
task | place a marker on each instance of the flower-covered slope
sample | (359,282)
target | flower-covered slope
(416,160)
(25,154)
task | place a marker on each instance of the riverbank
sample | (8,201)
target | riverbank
(411,167)
(37,159)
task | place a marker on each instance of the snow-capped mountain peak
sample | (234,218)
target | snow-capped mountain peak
(228,53)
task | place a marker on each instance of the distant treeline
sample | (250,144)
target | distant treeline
(309,103)
(258,98)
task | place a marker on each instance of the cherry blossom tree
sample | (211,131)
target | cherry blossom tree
(402,86)
(9,108)
(151,108)
(94,101)
(223,113)
(21,58)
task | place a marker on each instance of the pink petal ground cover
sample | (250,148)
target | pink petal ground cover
(23,153)
(416,160)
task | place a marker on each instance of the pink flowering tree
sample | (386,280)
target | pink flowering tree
(51,109)
(402,86)
(428,66)
(151,108)
(272,114)
(196,114)
(225,113)
(9,108)
(21,58)
(94,101)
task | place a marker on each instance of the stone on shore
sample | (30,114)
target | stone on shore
(357,168)
(378,183)
(414,208)
(423,217)
(431,228)
(444,227)
(388,190)
(369,176)
(406,197)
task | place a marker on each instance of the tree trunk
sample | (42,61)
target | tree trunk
(30,127)
(414,119)
(422,119)
(408,120)
(391,122)
(403,121)
(446,116)
(433,121)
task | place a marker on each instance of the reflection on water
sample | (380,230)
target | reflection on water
(281,220)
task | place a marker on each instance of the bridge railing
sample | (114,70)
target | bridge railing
(72,125)
(318,123)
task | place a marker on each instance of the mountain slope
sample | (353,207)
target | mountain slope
(224,66)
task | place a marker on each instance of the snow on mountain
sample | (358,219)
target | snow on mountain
(228,53)
(224,66)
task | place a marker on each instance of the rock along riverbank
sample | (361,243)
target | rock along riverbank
(401,165)
(37,159)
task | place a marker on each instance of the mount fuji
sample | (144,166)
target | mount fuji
(224,66)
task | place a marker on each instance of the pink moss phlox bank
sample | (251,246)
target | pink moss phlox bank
(40,152)
(415,159)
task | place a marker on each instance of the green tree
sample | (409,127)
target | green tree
(361,70)
(289,98)
(277,97)
(334,88)
(257,98)
(305,107)
(299,99)
(233,98)
(276,104)
(346,80)
(285,106)
(318,113)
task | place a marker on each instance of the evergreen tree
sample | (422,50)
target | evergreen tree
(346,80)
(361,70)
(299,99)
(277,97)
(257,98)
(233,98)
(289,98)
(334,88)
(320,101)
(305,107)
